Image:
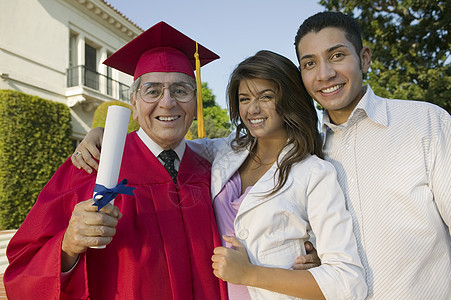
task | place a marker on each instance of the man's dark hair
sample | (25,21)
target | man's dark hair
(323,20)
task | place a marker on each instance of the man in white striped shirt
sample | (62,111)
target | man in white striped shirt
(392,159)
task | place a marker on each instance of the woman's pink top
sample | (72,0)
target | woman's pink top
(226,205)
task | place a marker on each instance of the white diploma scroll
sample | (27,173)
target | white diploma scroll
(114,135)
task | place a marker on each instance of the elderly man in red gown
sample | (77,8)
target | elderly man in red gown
(159,240)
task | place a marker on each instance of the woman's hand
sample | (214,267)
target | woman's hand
(232,264)
(88,151)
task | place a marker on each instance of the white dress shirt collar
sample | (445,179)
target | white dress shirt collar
(156,149)
(375,108)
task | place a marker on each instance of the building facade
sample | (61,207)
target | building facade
(54,49)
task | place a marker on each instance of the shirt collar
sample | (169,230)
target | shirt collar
(156,149)
(374,106)
(370,106)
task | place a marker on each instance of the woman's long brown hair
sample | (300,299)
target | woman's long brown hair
(293,103)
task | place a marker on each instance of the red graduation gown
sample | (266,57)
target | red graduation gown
(162,248)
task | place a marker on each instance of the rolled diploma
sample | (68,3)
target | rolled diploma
(116,126)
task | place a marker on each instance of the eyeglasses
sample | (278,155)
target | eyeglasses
(152,92)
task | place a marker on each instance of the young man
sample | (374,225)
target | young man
(160,240)
(393,159)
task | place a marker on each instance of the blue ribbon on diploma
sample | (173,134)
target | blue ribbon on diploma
(109,194)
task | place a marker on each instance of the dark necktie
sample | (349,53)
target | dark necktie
(168,156)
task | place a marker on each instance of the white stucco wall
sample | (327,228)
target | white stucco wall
(34,47)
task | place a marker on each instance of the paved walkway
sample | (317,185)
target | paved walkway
(2,288)
(5,236)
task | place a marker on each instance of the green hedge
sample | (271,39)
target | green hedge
(101,112)
(35,139)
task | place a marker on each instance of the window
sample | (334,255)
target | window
(91,75)
(109,78)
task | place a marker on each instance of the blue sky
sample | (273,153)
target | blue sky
(234,29)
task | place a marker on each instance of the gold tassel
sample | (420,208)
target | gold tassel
(200,107)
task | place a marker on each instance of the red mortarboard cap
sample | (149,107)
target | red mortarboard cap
(160,48)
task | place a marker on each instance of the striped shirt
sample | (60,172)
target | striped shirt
(393,159)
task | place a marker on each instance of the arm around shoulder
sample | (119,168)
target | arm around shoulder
(209,148)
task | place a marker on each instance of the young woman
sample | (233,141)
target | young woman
(271,189)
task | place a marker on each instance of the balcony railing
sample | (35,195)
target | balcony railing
(83,76)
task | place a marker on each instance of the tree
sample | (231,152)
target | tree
(99,118)
(217,122)
(410,43)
